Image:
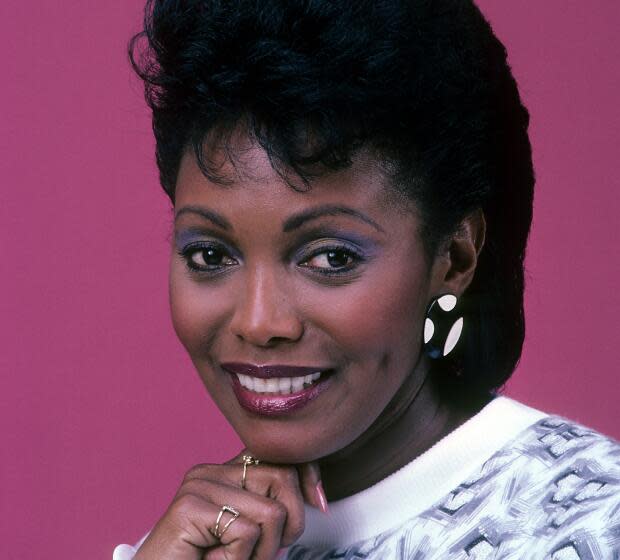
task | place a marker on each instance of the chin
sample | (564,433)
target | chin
(280,452)
(278,446)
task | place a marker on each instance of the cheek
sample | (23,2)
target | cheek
(381,317)
(376,318)
(195,309)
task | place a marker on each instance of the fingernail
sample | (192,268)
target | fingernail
(281,553)
(321,495)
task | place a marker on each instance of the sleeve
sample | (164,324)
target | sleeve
(126,551)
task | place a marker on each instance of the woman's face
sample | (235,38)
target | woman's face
(331,280)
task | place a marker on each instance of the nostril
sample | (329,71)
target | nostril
(263,319)
(268,333)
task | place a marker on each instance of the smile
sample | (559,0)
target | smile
(276,390)
(281,386)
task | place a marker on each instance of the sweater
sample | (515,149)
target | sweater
(512,483)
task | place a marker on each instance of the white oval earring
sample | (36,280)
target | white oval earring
(443,326)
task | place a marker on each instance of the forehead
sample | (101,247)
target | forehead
(254,185)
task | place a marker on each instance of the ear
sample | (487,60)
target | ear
(455,265)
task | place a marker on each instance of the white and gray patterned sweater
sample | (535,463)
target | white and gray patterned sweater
(512,483)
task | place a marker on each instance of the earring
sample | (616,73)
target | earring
(443,326)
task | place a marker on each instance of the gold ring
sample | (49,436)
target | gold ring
(247,460)
(216,530)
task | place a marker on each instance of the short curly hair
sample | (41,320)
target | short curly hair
(424,83)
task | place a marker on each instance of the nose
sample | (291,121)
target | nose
(264,315)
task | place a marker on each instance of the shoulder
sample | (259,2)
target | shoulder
(554,448)
(561,463)
(543,446)
(545,451)
(554,487)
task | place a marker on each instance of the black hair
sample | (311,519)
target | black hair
(424,83)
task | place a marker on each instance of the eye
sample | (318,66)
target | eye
(332,260)
(208,258)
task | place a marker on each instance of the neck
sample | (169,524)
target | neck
(416,419)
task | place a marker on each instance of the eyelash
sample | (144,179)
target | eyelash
(354,255)
(190,250)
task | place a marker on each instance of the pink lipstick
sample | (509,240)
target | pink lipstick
(275,390)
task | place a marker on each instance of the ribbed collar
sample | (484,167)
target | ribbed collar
(421,483)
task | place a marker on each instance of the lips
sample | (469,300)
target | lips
(269,371)
(274,390)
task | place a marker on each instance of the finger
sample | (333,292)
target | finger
(278,482)
(216,554)
(238,458)
(268,514)
(185,531)
(311,485)
(283,486)
(309,481)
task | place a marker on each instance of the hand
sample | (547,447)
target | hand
(271,512)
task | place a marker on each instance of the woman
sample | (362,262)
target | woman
(352,186)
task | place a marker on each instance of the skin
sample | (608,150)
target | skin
(263,297)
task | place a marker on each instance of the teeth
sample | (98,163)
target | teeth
(281,385)
(246,381)
(297,384)
(284,384)
(273,386)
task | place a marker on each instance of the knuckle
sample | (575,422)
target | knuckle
(275,512)
(249,530)
(185,504)
(287,476)
(195,486)
(197,471)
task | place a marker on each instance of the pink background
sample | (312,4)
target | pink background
(101,411)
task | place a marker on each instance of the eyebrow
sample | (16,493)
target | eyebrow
(298,220)
(292,223)
(209,215)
